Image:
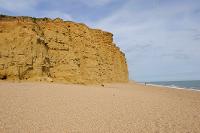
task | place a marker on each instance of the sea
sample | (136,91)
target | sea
(188,84)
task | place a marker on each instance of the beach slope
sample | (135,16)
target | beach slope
(117,108)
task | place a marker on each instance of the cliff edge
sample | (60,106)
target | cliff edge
(40,49)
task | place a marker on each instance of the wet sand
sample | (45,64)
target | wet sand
(114,108)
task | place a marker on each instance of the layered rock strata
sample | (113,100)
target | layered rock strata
(57,50)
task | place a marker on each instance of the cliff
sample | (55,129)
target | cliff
(56,50)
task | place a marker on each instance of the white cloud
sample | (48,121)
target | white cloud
(54,14)
(18,5)
(94,3)
(28,7)
(168,27)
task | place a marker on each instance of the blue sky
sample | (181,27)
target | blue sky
(161,38)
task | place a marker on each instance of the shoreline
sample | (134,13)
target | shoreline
(130,82)
(172,87)
(120,107)
(168,87)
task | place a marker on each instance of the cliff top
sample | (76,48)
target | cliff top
(45,19)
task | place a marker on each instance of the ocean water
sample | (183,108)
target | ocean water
(190,84)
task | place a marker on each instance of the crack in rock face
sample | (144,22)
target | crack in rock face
(41,49)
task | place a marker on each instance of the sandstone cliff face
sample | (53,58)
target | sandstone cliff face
(60,51)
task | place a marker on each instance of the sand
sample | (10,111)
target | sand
(114,108)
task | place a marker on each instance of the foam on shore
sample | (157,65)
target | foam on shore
(173,87)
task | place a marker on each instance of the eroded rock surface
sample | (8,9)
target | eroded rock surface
(57,50)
